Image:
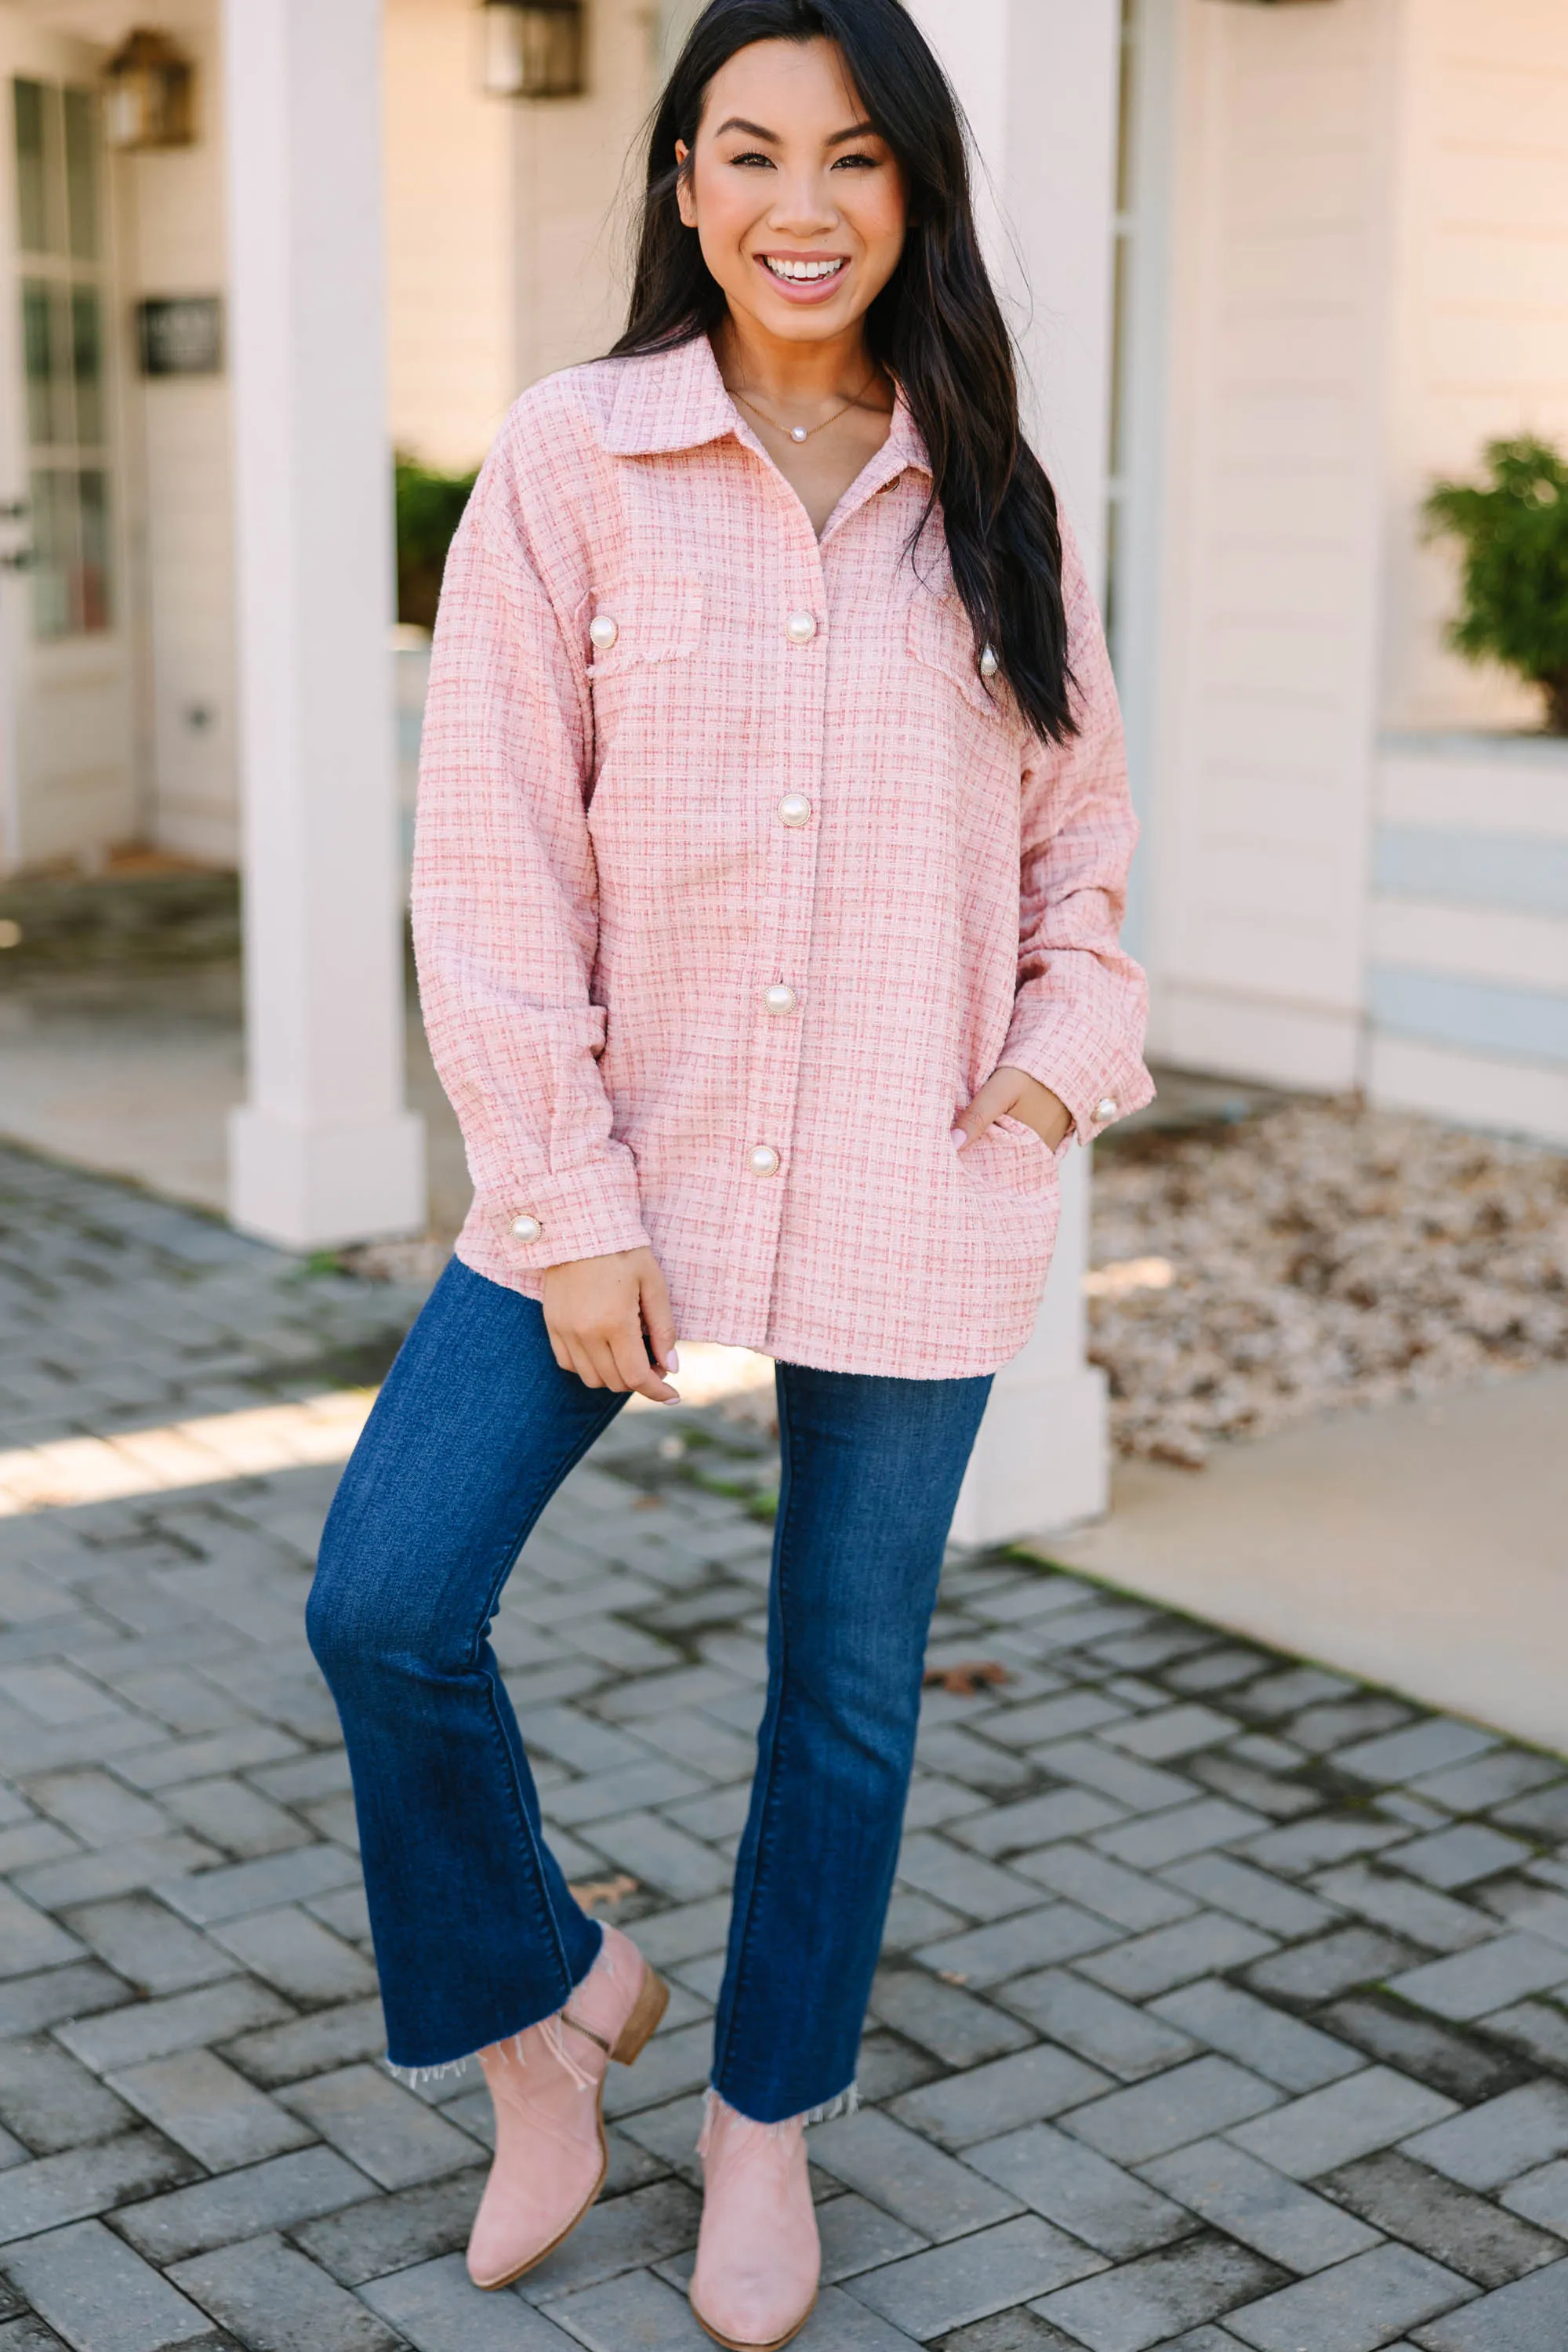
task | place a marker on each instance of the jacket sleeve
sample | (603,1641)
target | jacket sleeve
(505,902)
(1082,1003)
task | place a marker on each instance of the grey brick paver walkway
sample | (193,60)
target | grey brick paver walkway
(1225,2005)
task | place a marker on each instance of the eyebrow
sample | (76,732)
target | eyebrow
(756,131)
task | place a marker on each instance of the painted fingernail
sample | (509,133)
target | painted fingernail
(671,1361)
(960,1138)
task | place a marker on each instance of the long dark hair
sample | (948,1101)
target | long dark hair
(936,327)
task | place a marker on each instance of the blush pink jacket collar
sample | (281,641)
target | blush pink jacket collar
(678,400)
(734,879)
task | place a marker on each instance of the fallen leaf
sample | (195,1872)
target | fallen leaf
(967,1680)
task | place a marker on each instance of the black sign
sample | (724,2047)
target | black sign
(182,335)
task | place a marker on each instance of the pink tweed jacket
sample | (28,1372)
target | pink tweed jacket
(735,878)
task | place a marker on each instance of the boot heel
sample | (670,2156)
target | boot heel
(648,2008)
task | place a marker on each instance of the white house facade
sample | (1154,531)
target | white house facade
(1272,263)
(1347,274)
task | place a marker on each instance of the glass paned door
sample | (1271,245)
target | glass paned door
(62,290)
(71,782)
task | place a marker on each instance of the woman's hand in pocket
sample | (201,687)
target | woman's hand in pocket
(598,1311)
(1013,1094)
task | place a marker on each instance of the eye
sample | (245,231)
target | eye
(753,158)
(859,163)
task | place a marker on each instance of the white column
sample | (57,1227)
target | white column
(1039,80)
(323,1150)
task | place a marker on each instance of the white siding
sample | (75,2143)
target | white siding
(1467,964)
(1478,942)
(1482,276)
(1471,1089)
(1520,788)
(450,237)
(1270,608)
(576,186)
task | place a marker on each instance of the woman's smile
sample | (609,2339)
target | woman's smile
(804,277)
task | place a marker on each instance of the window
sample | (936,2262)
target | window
(59,220)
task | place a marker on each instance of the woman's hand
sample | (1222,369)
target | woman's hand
(597,1310)
(1015,1095)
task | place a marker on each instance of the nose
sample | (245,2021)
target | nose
(803,206)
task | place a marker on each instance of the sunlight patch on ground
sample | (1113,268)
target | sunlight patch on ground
(70,1471)
(76,1470)
(1126,1275)
(708,1373)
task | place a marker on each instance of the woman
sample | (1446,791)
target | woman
(772,838)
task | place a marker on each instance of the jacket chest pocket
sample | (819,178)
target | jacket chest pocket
(940,636)
(638,627)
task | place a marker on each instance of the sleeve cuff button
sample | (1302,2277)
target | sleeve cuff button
(1106,1109)
(526,1229)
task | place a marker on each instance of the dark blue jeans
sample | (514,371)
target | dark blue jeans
(477,1933)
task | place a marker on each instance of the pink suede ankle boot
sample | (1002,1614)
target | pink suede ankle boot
(548,2089)
(758,2254)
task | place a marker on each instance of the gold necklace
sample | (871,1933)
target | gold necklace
(805,432)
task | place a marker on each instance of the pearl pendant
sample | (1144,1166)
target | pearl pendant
(797,432)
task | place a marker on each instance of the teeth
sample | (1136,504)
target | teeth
(804,271)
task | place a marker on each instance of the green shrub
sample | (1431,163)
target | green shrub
(429,509)
(1514,532)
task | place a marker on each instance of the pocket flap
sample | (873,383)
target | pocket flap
(655,619)
(942,636)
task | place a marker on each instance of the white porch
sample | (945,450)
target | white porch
(249,640)
(1347,876)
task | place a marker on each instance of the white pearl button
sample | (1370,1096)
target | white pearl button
(1106,1107)
(526,1229)
(795,809)
(603,631)
(800,628)
(765,1159)
(780,999)
(989,665)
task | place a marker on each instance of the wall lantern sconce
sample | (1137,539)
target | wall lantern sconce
(149,95)
(534,48)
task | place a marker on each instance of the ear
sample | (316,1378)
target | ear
(683,195)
